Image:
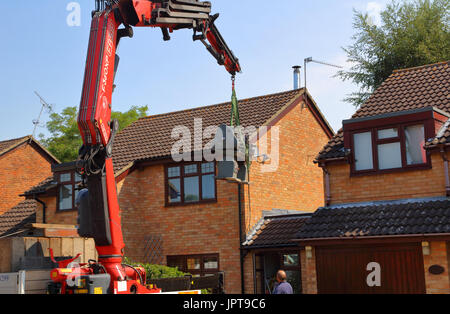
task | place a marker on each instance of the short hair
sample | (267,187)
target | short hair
(281,275)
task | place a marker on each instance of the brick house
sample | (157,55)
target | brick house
(178,214)
(386,180)
(25,163)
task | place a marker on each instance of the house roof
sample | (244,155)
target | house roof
(277,231)
(385,218)
(407,89)
(8,145)
(14,221)
(150,137)
(42,187)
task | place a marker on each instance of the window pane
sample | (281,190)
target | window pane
(387,133)
(208,167)
(208,187)
(191,189)
(363,151)
(65,197)
(294,278)
(211,263)
(174,190)
(177,262)
(389,156)
(174,172)
(415,140)
(191,169)
(77,177)
(290,259)
(193,263)
(65,177)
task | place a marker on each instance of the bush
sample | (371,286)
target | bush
(157,271)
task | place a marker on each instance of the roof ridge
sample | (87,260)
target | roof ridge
(16,139)
(219,104)
(420,67)
(380,203)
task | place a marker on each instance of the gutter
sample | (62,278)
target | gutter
(362,238)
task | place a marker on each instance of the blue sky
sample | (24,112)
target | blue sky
(40,52)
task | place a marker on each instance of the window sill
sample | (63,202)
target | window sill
(190,204)
(389,171)
(61,211)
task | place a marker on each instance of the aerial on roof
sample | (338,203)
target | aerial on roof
(150,137)
(407,217)
(414,88)
(15,220)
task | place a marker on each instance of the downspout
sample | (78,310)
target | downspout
(44,208)
(241,250)
(327,184)
(447,178)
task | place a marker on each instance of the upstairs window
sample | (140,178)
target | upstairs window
(386,149)
(190,183)
(67,192)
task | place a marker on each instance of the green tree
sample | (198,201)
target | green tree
(412,33)
(65,139)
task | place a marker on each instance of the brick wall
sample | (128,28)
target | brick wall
(249,274)
(22,168)
(392,186)
(184,230)
(297,183)
(52,216)
(309,275)
(437,284)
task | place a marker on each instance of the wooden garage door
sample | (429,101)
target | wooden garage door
(343,270)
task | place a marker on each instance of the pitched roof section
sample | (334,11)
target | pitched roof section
(410,217)
(14,221)
(42,187)
(8,145)
(276,231)
(150,137)
(406,89)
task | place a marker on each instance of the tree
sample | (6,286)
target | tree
(65,139)
(411,34)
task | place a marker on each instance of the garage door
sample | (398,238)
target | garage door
(343,270)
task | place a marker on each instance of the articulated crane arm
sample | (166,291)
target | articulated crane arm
(99,213)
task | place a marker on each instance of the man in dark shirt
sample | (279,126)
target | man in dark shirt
(282,286)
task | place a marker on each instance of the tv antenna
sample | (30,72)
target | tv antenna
(45,106)
(310,59)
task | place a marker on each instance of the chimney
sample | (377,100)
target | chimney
(296,76)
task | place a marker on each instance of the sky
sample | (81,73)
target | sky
(41,52)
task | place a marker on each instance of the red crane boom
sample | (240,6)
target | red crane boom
(99,213)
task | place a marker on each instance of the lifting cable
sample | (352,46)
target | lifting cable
(235,121)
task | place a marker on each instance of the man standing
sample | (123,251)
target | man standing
(282,287)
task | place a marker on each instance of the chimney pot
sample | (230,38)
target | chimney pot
(296,76)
